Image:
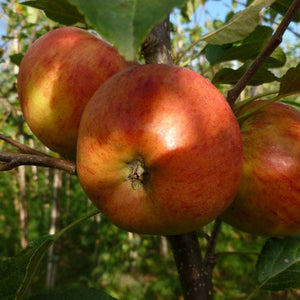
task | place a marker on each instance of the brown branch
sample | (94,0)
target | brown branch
(210,257)
(23,148)
(291,30)
(9,161)
(156,48)
(274,42)
(30,156)
(195,280)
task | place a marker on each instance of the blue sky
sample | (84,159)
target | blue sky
(2,23)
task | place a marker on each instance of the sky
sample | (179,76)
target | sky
(2,23)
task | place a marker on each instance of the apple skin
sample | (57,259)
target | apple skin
(58,75)
(268,200)
(159,150)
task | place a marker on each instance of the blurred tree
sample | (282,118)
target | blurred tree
(35,202)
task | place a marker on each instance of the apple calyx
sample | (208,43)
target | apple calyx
(138,175)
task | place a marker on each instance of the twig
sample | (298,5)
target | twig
(210,259)
(225,253)
(9,161)
(291,30)
(275,40)
(30,156)
(23,148)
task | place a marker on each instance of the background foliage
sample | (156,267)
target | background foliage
(38,202)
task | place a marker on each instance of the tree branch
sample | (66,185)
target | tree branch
(274,42)
(195,280)
(210,257)
(10,160)
(30,156)
(23,148)
(156,48)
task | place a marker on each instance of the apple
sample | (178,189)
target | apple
(58,75)
(268,200)
(159,150)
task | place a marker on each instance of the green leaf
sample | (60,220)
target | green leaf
(290,82)
(215,53)
(74,294)
(277,59)
(249,48)
(16,58)
(190,7)
(282,6)
(16,273)
(239,26)
(125,23)
(231,76)
(60,11)
(278,265)
(292,103)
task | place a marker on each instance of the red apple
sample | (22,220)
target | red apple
(159,150)
(58,75)
(268,200)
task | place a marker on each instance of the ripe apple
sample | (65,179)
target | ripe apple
(159,150)
(268,200)
(58,75)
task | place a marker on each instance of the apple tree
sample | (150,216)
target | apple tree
(242,56)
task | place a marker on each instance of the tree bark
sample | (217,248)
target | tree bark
(156,48)
(195,281)
(55,219)
(23,204)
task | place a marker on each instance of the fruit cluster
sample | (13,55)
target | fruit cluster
(158,148)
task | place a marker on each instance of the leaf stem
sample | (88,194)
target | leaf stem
(225,253)
(259,107)
(70,226)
